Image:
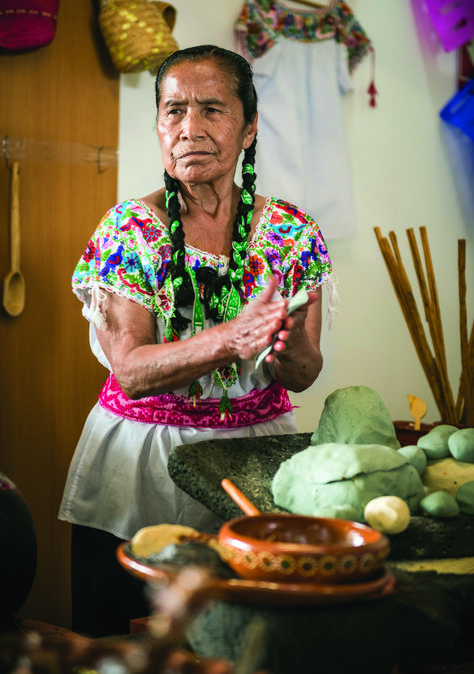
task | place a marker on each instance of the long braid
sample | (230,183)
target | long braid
(214,285)
(182,286)
(244,210)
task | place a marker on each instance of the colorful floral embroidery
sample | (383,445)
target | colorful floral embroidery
(130,251)
(261,23)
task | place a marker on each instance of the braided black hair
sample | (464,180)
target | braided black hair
(215,287)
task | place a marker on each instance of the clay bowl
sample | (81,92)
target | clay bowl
(299,549)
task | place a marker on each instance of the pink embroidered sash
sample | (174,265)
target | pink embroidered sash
(253,408)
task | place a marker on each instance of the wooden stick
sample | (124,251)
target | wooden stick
(433,317)
(407,303)
(436,313)
(460,398)
(418,334)
(466,372)
(431,280)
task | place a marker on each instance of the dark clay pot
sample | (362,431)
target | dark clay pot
(18,552)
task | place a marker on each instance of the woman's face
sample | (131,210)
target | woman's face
(201,123)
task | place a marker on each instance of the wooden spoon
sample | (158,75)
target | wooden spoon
(14,282)
(418,410)
(239,498)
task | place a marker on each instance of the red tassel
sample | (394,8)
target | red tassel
(372,90)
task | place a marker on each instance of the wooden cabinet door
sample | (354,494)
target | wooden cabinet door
(64,97)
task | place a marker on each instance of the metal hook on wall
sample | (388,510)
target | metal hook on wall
(99,166)
(5,152)
(11,167)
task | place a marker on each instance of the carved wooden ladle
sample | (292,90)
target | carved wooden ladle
(418,410)
(14,282)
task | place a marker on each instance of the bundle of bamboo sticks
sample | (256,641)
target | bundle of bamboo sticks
(433,358)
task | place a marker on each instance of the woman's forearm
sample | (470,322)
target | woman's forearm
(298,361)
(152,369)
(142,367)
(296,370)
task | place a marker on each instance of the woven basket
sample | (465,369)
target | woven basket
(138,34)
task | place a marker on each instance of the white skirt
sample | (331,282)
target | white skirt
(118,479)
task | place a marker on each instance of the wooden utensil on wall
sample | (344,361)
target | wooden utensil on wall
(14,282)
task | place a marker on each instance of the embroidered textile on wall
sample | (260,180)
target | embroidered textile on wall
(302,62)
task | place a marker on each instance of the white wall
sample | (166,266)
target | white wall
(404,176)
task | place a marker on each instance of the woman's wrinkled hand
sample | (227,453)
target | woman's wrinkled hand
(253,330)
(293,333)
(295,356)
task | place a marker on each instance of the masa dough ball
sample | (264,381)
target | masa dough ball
(150,540)
(416,456)
(342,512)
(447,475)
(465,498)
(336,474)
(388,514)
(440,504)
(461,444)
(435,442)
(355,415)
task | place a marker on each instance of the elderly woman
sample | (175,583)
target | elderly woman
(183,289)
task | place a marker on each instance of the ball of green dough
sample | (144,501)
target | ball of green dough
(355,415)
(343,512)
(461,444)
(388,514)
(435,442)
(338,474)
(416,456)
(440,504)
(465,498)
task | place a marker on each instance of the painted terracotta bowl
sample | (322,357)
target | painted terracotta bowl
(300,549)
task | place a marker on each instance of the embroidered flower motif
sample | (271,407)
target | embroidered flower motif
(151,233)
(274,238)
(131,262)
(298,273)
(256,264)
(306,257)
(162,269)
(249,283)
(89,252)
(276,218)
(273,256)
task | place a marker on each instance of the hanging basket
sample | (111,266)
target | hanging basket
(138,34)
(27,24)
